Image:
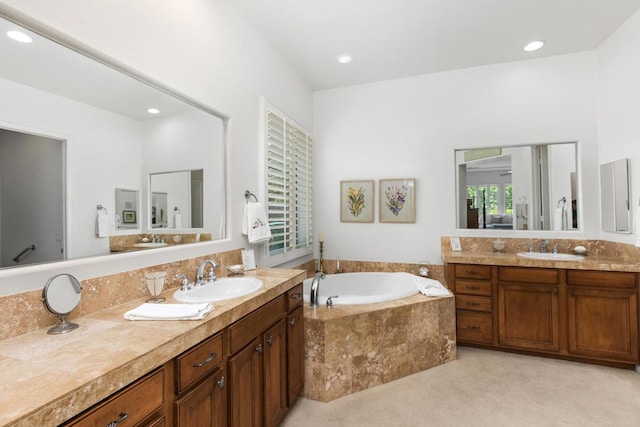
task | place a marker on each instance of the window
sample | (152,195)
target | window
(289,184)
(499,197)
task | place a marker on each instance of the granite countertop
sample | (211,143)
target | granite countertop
(590,262)
(47,379)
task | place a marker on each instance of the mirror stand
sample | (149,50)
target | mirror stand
(60,296)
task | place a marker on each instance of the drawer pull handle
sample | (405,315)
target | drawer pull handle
(473,272)
(292,321)
(221,382)
(123,417)
(555,291)
(270,340)
(473,304)
(207,360)
(473,328)
(296,295)
(473,288)
(259,349)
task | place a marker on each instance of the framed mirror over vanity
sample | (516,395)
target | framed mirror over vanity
(76,134)
(527,187)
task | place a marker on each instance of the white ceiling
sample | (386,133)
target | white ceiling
(399,38)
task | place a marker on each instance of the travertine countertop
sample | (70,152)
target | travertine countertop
(47,379)
(590,262)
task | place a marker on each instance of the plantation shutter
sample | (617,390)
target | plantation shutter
(289,186)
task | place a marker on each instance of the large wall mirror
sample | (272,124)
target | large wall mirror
(532,187)
(75,132)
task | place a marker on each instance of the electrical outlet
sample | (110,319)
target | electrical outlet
(456,246)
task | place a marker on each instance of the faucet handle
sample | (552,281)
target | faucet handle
(184,282)
(556,246)
(529,247)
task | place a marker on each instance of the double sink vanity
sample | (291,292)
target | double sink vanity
(242,365)
(582,308)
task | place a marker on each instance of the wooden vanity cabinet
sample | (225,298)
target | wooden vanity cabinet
(603,315)
(139,404)
(258,367)
(528,308)
(201,385)
(295,344)
(474,305)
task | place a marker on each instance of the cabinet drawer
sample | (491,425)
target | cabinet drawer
(245,329)
(473,287)
(134,403)
(474,303)
(528,275)
(198,361)
(602,279)
(294,298)
(470,271)
(474,327)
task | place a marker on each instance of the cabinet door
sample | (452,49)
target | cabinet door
(245,385)
(205,405)
(295,354)
(528,316)
(603,324)
(275,374)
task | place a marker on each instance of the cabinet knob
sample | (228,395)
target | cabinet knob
(123,416)
(292,321)
(555,291)
(259,349)
(270,340)
(207,360)
(221,382)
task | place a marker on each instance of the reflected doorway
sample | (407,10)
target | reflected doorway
(31,199)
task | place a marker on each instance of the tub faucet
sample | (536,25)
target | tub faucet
(315,287)
(200,272)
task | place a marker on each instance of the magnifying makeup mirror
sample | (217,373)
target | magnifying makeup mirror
(60,296)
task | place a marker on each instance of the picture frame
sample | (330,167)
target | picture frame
(357,201)
(128,217)
(397,200)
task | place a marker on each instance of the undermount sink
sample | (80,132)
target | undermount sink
(149,245)
(220,290)
(551,256)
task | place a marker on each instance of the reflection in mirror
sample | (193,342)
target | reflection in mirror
(531,187)
(177,199)
(614,196)
(126,209)
(97,118)
(60,296)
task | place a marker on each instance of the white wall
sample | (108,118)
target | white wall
(410,127)
(618,107)
(205,49)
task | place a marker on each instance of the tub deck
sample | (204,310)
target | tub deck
(350,348)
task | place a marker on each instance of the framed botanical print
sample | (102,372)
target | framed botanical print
(397,200)
(356,201)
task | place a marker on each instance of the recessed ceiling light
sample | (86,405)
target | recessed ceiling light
(19,36)
(344,58)
(535,45)
(153,111)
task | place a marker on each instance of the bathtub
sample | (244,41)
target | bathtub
(363,288)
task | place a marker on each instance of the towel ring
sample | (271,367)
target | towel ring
(101,208)
(248,194)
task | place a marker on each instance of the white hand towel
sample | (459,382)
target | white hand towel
(102,223)
(255,224)
(557,219)
(431,287)
(148,311)
(177,219)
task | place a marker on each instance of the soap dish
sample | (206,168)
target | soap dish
(235,270)
(580,250)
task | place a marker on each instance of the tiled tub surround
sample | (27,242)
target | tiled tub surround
(47,379)
(350,348)
(24,312)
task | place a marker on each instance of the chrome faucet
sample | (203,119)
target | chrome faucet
(200,272)
(543,245)
(315,287)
